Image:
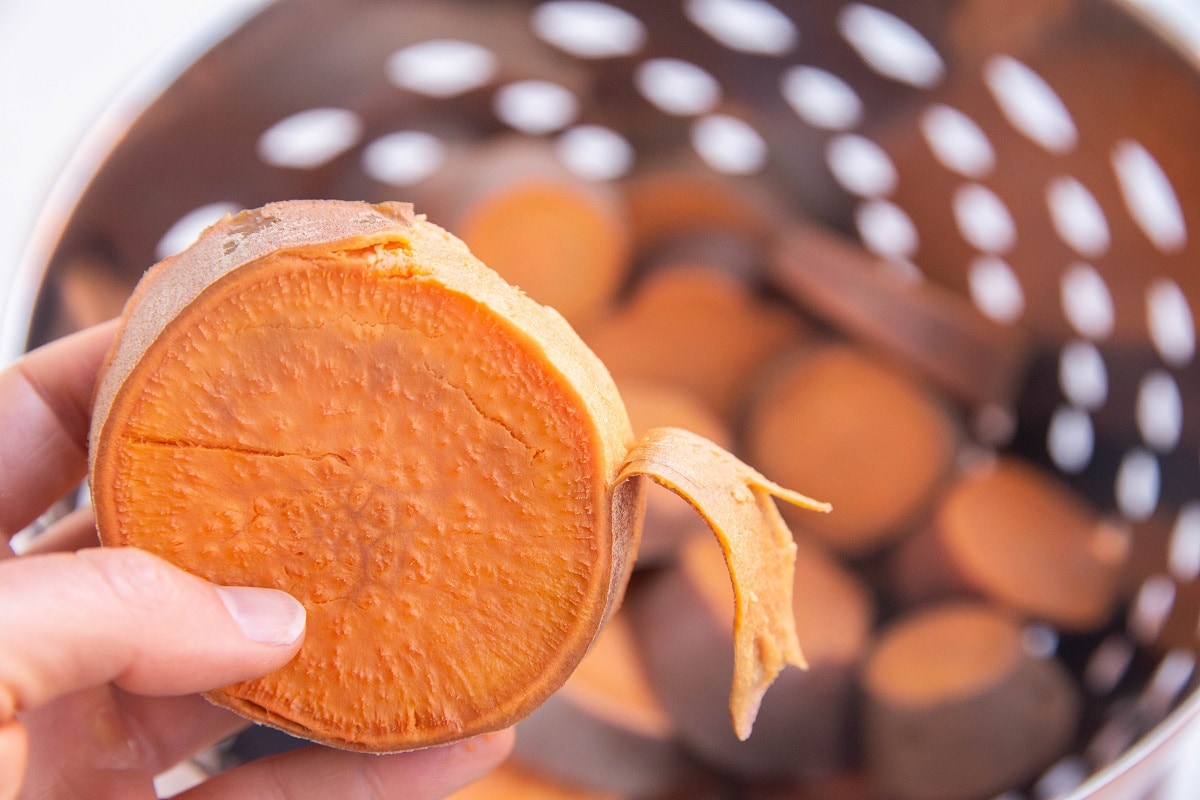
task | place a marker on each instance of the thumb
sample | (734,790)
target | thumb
(73,620)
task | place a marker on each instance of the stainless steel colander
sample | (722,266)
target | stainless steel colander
(1038,157)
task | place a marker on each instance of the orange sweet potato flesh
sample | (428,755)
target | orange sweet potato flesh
(340,401)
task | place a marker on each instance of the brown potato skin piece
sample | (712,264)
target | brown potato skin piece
(669,519)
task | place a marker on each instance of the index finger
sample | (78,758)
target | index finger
(45,409)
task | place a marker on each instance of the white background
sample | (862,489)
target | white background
(70,66)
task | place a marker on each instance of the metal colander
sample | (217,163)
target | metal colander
(1039,158)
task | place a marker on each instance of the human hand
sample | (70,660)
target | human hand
(103,649)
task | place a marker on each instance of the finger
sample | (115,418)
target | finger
(45,400)
(14,746)
(174,728)
(319,772)
(123,615)
(74,531)
(117,742)
(80,746)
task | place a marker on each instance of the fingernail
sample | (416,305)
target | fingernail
(267,616)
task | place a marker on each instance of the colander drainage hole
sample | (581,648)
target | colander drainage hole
(886,229)
(403,158)
(957,141)
(1070,439)
(1087,302)
(860,166)
(749,26)
(820,98)
(1082,376)
(1108,664)
(1061,778)
(1159,411)
(187,228)
(677,87)
(1149,196)
(890,46)
(1172,326)
(983,219)
(310,139)
(1151,607)
(728,144)
(588,29)
(442,67)
(1030,105)
(535,106)
(995,290)
(1077,217)
(1139,481)
(595,153)
(1184,553)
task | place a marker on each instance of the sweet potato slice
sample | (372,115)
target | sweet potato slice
(605,729)
(697,329)
(339,400)
(877,443)
(955,707)
(681,199)
(1020,536)
(562,239)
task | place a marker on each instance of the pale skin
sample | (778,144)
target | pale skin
(103,650)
